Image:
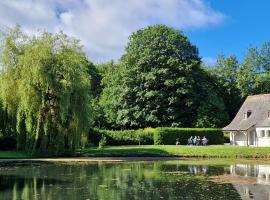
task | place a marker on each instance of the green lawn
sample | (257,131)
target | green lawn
(214,151)
(13,154)
(218,151)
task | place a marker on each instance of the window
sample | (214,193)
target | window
(267,133)
(262,133)
(247,114)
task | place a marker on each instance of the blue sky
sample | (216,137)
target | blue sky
(103,26)
(246,24)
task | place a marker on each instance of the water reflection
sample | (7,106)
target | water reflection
(258,187)
(261,172)
(140,180)
(198,169)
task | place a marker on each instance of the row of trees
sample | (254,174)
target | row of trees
(51,94)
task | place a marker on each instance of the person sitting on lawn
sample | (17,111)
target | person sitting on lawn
(198,141)
(177,141)
(190,140)
(194,140)
(204,141)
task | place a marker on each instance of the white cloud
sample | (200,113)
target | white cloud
(104,25)
(209,61)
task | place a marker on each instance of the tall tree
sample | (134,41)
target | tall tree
(253,74)
(248,73)
(212,111)
(225,73)
(157,82)
(45,84)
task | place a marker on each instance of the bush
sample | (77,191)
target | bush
(169,135)
(7,143)
(102,142)
(122,137)
(156,136)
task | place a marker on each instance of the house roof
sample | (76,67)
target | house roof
(259,105)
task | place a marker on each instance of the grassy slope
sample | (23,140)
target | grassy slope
(218,151)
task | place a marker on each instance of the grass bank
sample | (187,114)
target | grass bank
(13,155)
(214,151)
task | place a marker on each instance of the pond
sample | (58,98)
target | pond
(135,180)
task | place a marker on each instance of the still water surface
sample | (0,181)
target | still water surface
(135,180)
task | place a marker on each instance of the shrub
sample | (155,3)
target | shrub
(169,135)
(7,143)
(122,137)
(102,142)
(156,136)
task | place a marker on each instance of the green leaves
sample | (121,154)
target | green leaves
(50,91)
(156,82)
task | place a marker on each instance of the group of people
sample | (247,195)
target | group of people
(197,140)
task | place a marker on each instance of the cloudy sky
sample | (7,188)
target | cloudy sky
(103,26)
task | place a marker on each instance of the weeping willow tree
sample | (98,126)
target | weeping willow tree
(45,87)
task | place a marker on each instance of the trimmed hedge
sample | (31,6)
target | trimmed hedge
(169,135)
(7,143)
(148,136)
(122,137)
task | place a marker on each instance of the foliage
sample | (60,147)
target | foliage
(253,74)
(157,82)
(154,135)
(225,74)
(212,111)
(45,85)
(105,72)
(102,142)
(7,123)
(167,136)
(122,137)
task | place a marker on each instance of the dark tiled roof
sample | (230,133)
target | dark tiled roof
(259,105)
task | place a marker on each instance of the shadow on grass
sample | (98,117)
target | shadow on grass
(110,151)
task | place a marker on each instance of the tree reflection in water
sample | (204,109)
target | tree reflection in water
(129,180)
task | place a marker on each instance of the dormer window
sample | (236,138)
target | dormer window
(248,113)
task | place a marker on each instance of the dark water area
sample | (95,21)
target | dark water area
(135,180)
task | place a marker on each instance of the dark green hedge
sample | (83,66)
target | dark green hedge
(157,136)
(122,137)
(169,135)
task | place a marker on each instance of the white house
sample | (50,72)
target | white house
(251,125)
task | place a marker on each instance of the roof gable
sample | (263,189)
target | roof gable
(259,105)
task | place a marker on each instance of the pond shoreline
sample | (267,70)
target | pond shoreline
(92,159)
(123,159)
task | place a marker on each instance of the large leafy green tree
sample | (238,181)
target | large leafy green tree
(212,109)
(45,86)
(225,74)
(157,82)
(253,75)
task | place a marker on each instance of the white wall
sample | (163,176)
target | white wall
(263,141)
(254,137)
